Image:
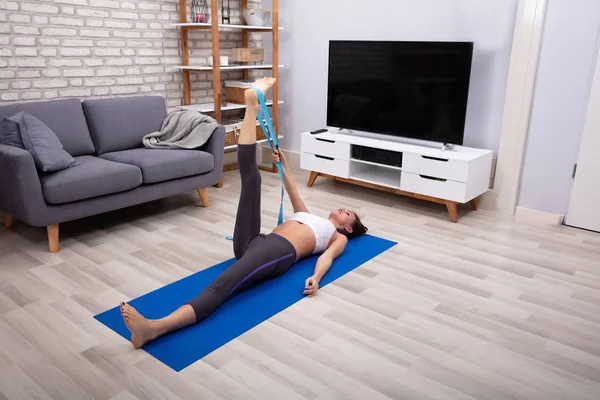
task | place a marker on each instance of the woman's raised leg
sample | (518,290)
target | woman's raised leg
(247,223)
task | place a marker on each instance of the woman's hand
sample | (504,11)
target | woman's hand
(279,156)
(311,286)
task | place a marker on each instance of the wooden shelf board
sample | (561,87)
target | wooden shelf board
(210,107)
(224,68)
(233,146)
(207,25)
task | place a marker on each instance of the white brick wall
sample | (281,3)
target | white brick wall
(53,49)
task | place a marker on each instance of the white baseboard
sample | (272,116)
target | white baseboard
(488,201)
(538,217)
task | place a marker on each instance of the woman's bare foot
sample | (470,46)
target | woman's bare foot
(263,84)
(141,329)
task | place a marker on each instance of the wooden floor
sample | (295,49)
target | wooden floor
(483,309)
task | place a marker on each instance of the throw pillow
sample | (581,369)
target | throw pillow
(43,145)
(9,133)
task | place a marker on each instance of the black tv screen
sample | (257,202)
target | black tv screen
(410,89)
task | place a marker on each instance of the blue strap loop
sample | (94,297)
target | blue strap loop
(271,135)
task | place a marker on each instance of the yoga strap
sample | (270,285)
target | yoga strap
(262,116)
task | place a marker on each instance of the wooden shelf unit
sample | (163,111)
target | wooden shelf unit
(214,26)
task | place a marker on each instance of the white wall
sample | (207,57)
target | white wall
(565,72)
(304,47)
(267,38)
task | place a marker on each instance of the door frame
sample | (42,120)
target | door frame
(595,86)
(522,73)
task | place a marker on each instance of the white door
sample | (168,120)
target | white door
(584,207)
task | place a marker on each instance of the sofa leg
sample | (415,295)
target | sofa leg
(8,220)
(204,197)
(53,237)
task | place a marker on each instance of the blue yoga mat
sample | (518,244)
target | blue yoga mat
(239,313)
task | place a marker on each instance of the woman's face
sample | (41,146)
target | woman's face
(342,219)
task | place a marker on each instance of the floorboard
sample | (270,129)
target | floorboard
(488,308)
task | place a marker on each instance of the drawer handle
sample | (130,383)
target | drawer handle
(325,140)
(325,158)
(435,158)
(432,178)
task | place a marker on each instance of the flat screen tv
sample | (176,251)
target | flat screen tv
(415,90)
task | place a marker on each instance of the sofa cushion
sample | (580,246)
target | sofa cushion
(120,124)
(43,145)
(93,177)
(10,134)
(159,165)
(64,117)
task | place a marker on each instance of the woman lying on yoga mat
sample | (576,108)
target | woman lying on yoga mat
(259,257)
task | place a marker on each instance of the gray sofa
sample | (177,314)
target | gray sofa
(105,136)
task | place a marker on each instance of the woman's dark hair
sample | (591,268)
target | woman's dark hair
(358,229)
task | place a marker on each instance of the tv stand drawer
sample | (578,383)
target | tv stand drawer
(434,187)
(435,166)
(313,144)
(325,165)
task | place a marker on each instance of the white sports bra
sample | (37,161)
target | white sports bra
(321,227)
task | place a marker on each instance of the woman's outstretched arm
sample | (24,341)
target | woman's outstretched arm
(290,185)
(335,248)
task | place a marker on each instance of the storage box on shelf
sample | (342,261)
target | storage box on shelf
(235,91)
(449,177)
(232,132)
(235,94)
(248,55)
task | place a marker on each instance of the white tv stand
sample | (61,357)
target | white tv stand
(449,177)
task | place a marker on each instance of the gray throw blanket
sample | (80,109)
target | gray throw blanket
(182,130)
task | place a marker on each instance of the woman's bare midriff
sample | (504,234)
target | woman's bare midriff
(299,235)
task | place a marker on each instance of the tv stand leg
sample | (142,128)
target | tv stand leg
(312,178)
(452,210)
(473,204)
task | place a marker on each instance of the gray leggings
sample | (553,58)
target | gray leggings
(259,257)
